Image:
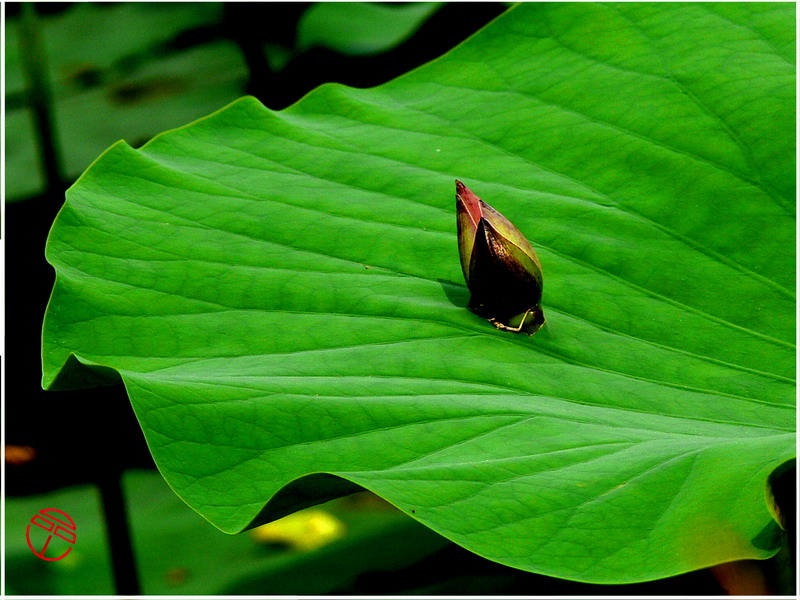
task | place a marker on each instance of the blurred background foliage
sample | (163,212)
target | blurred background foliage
(355,545)
(80,76)
(318,550)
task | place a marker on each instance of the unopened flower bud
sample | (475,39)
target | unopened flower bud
(501,268)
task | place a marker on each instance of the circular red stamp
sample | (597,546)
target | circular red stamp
(57,524)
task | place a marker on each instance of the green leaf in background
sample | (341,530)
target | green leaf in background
(282,297)
(107,36)
(359,27)
(108,71)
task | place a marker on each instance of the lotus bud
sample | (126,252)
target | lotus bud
(501,268)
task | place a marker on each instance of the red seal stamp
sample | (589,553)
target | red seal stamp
(57,524)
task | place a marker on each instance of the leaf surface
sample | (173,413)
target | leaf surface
(281,293)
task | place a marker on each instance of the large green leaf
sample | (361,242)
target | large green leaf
(281,294)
